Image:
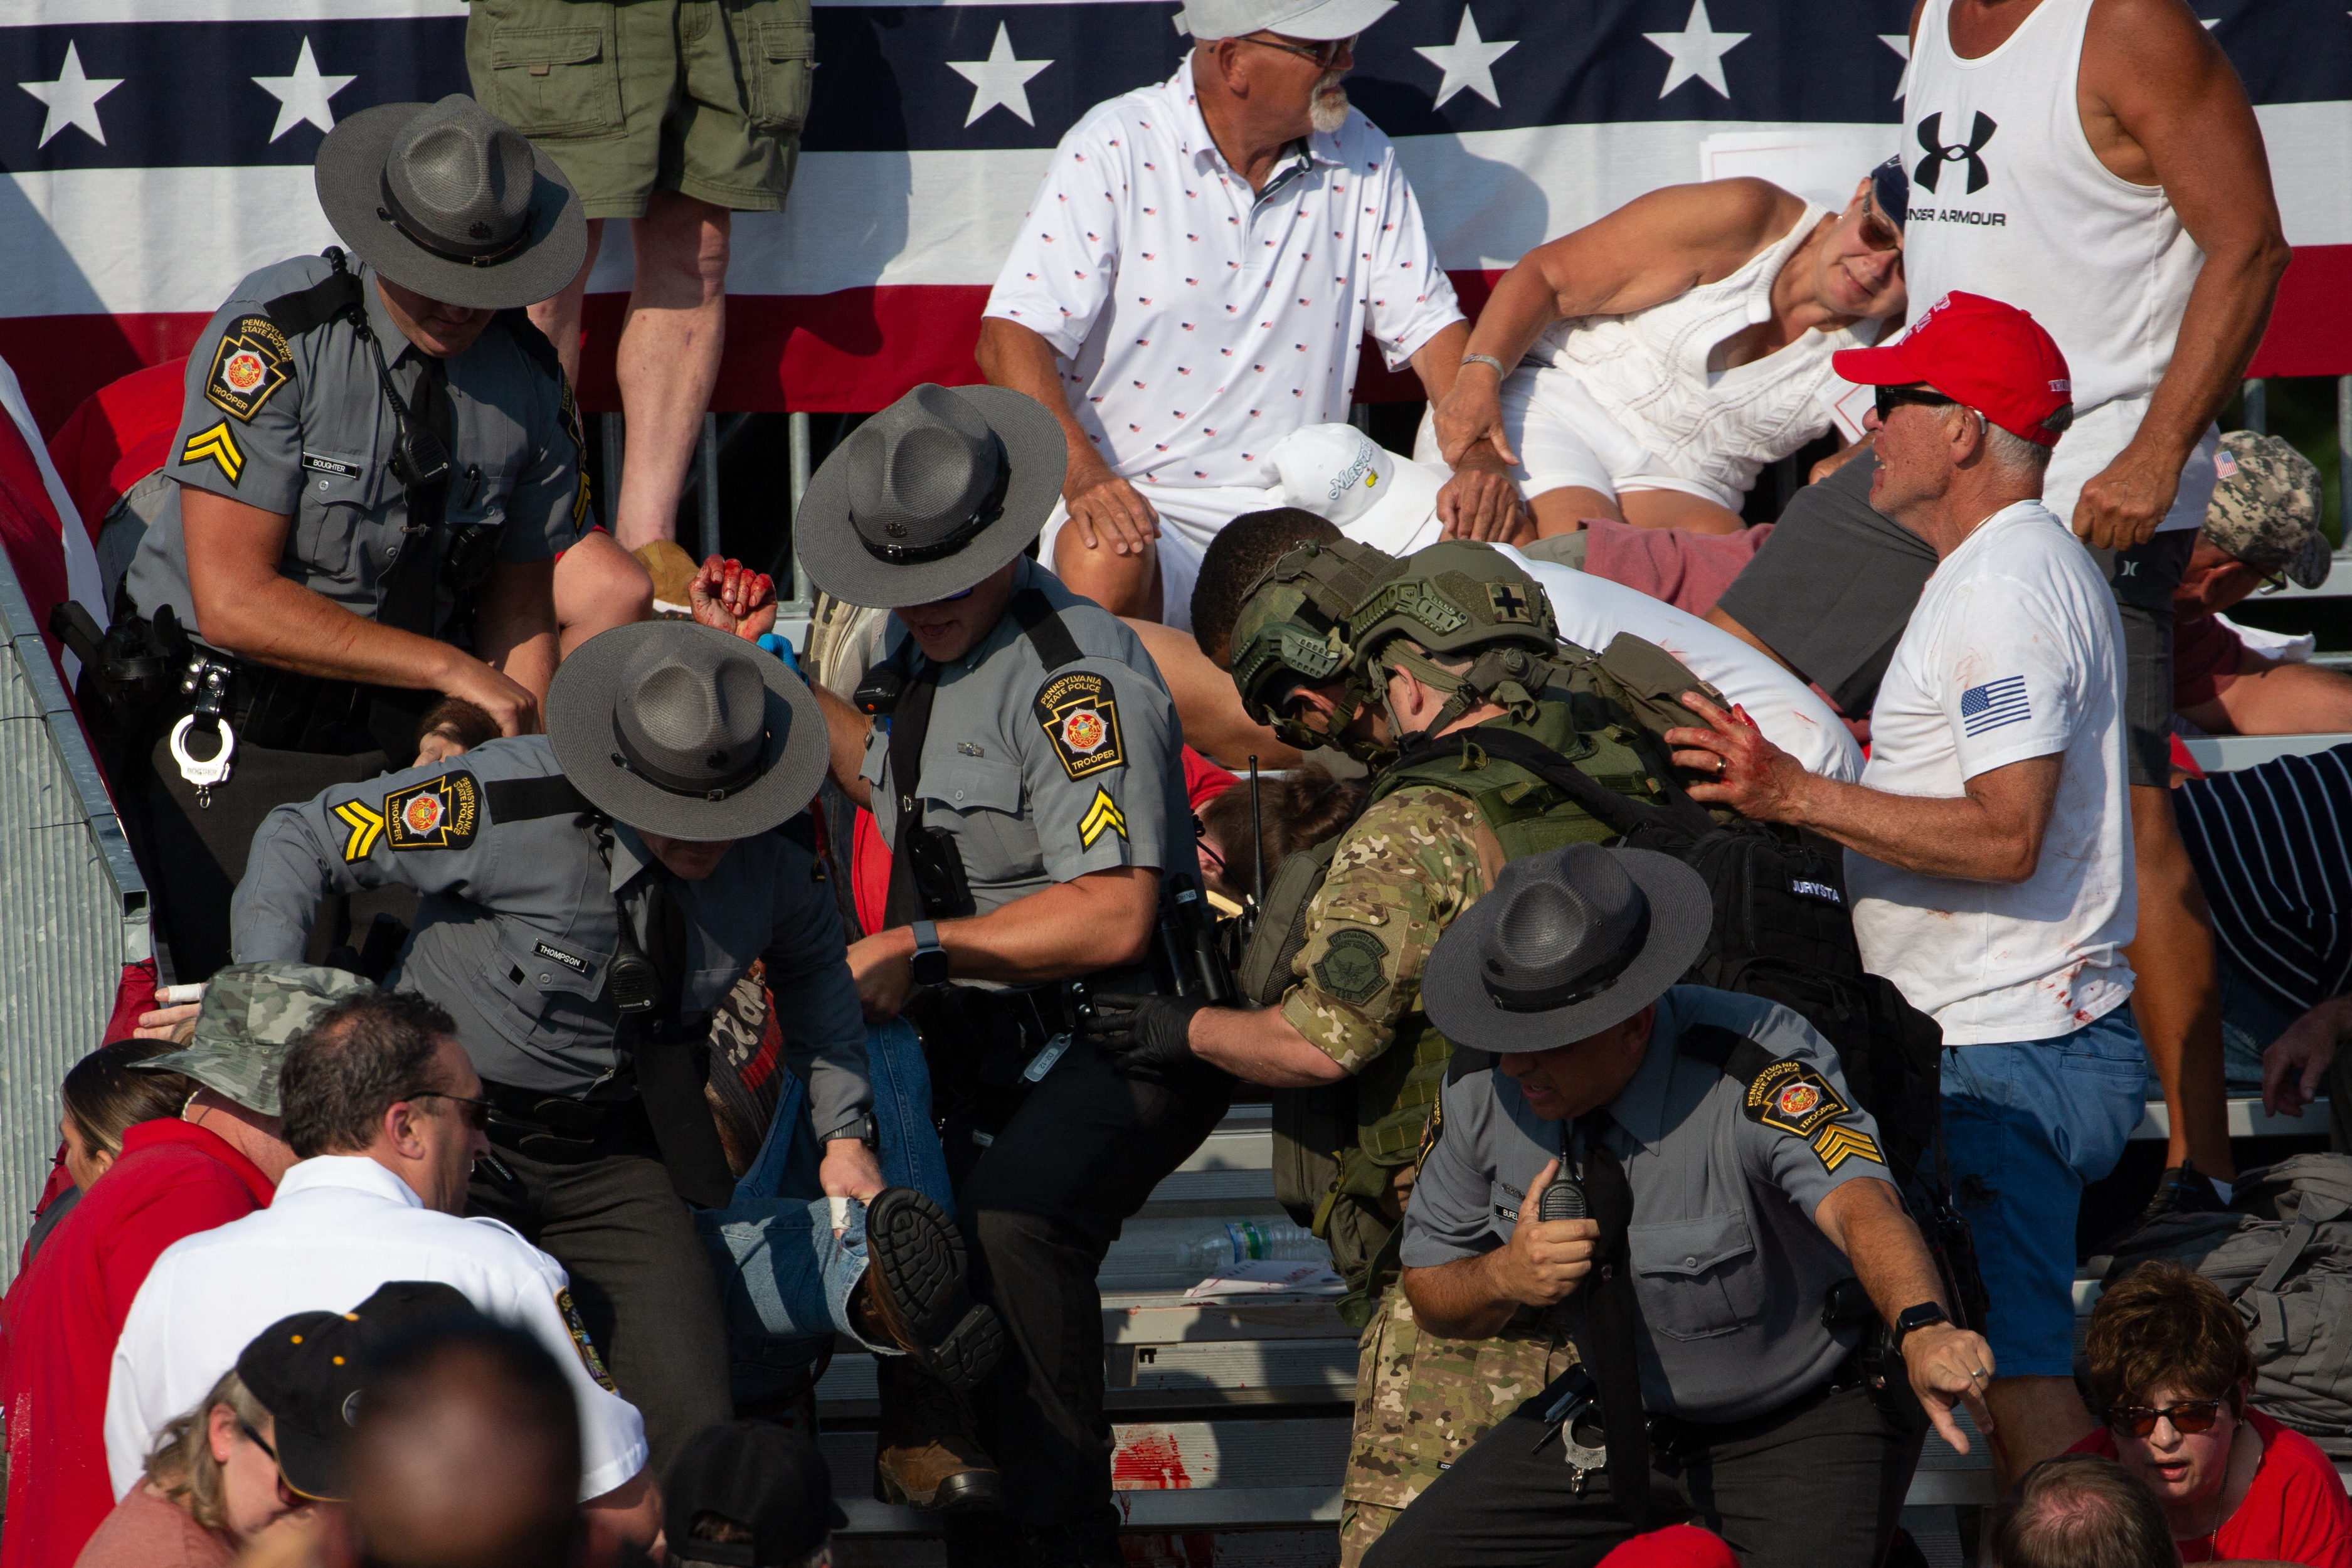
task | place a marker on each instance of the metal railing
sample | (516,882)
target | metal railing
(73,908)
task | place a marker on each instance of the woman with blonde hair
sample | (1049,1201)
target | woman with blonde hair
(212,1486)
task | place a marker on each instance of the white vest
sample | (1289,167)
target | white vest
(1648,371)
(2009,201)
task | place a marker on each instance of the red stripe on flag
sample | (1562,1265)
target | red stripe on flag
(861,349)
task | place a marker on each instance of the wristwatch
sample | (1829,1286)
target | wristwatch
(865,1130)
(1917,1317)
(930,963)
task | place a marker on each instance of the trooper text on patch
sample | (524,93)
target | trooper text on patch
(1080,716)
(248,367)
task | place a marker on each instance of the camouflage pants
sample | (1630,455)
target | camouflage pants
(1420,1400)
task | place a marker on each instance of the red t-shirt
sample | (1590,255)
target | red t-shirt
(2294,1513)
(2205,660)
(171,1181)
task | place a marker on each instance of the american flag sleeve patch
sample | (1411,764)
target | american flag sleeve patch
(1994,704)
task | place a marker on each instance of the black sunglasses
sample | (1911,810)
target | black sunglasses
(257,1439)
(1890,398)
(2188,1416)
(476,1112)
(1322,53)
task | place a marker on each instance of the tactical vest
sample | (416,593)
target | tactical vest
(1338,1147)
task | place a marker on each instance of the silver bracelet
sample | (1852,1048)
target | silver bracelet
(1485,360)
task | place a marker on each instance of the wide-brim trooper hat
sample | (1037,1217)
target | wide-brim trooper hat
(1314,20)
(1344,477)
(685,731)
(449,200)
(1568,943)
(931,496)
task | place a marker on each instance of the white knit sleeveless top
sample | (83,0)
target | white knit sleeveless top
(2009,201)
(1716,428)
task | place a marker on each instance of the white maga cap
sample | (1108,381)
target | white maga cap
(1338,473)
(1314,20)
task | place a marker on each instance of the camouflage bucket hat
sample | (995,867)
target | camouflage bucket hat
(252,1012)
(2265,509)
(1292,624)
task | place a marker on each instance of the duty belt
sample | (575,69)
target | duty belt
(559,1130)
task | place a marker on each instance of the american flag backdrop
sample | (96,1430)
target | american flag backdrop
(155,151)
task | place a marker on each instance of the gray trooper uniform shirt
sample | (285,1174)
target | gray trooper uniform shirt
(1045,776)
(301,426)
(1728,1267)
(517,929)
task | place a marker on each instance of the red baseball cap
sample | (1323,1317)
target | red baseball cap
(1992,357)
(1676,1546)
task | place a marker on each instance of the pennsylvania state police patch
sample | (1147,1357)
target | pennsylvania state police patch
(248,367)
(1081,718)
(1792,1098)
(444,813)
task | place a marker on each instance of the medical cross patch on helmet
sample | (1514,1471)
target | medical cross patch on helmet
(1793,1098)
(248,367)
(1080,716)
(444,813)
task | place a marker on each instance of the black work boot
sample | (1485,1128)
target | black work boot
(913,1295)
(924,1453)
(2183,1190)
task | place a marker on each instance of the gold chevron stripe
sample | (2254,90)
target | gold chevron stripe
(219,446)
(365,827)
(1835,1144)
(1102,816)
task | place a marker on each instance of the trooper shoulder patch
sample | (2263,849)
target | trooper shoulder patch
(442,813)
(1429,1134)
(248,367)
(1792,1098)
(582,1343)
(1080,716)
(1354,968)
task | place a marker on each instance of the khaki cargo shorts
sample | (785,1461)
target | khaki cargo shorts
(705,97)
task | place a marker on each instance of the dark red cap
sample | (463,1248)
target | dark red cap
(1676,1546)
(1992,357)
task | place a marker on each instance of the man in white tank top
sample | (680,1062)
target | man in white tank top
(1645,366)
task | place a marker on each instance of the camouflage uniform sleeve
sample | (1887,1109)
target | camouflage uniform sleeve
(1407,868)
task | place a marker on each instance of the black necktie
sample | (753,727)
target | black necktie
(409,588)
(910,722)
(671,1069)
(1611,1313)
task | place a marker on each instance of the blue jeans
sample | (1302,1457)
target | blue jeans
(2028,1126)
(784,1277)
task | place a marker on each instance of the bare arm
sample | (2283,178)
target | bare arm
(1654,248)
(1866,1221)
(246,609)
(1474,1298)
(845,730)
(515,629)
(2274,697)
(2162,106)
(630,1511)
(1103,920)
(1261,1046)
(1480,501)
(1991,834)
(1105,507)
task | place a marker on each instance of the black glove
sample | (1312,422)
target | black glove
(1143,1033)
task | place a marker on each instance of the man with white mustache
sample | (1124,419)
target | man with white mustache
(1193,282)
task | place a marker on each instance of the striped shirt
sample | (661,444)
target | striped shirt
(2272,847)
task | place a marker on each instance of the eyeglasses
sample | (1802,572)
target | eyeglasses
(257,1439)
(477,1113)
(2188,1417)
(1890,398)
(1323,54)
(1876,232)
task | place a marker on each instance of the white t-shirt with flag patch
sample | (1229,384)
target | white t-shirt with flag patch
(2014,651)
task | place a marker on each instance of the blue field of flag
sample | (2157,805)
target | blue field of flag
(1993,704)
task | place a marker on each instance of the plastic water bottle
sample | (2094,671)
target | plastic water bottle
(1240,1240)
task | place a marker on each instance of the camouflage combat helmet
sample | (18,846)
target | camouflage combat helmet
(1456,597)
(251,1014)
(2265,509)
(1292,624)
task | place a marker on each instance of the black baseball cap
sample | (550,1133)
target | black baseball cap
(306,1370)
(1891,184)
(766,1477)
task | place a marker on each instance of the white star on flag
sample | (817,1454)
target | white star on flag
(72,99)
(303,95)
(999,78)
(1697,51)
(1901,44)
(1468,62)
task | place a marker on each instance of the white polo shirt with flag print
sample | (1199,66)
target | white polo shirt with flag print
(2012,653)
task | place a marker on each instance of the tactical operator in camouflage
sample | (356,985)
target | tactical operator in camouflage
(1340,645)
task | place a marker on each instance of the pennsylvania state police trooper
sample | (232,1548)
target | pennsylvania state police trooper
(1030,781)
(375,465)
(1342,645)
(589,896)
(1682,1176)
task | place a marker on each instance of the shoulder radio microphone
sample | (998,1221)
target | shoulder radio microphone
(1564,1199)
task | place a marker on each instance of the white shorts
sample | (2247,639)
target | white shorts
(1189,518)
(1564,437)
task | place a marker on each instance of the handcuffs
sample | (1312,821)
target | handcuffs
(207,681)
